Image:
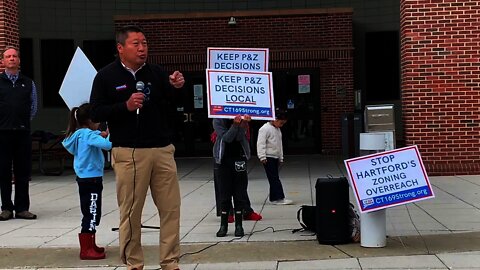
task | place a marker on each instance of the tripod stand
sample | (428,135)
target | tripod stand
(142,227)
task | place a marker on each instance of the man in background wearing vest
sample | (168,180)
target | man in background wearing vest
(18,105)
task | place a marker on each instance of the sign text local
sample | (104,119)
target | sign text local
(388,179)
(240,92)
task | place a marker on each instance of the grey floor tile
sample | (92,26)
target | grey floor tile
(466,260)
(268,265)
(55,201)
(25,242)
(402,262)
(89,268)
(338,264)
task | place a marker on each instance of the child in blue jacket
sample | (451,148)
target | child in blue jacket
(85,142)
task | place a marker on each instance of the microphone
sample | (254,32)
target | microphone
(139,86)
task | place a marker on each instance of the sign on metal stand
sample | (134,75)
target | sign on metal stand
(387,179)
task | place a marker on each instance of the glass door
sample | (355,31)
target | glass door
(298,92)
(192,125)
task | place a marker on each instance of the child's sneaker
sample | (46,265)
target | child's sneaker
(252,216)
(282,202)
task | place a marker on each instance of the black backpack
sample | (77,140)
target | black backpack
(306,218)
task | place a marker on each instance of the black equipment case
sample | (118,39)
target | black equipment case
(332,221)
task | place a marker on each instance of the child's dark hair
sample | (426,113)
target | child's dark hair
(79,117)
(280,114)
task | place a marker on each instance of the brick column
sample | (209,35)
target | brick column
(8,24)
(440,61)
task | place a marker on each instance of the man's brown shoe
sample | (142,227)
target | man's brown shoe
(6,215)
(25,215)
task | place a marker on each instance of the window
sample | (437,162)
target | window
(99,52)
(56,55)
(26,57)
(382,62)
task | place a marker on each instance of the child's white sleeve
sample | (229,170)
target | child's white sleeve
(262,144)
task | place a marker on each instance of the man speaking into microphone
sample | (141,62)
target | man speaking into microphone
(136,98)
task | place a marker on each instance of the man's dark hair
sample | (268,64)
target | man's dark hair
(280,114)
(122,33)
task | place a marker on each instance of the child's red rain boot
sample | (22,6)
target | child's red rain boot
(97,248)
(252,216)
(87,252)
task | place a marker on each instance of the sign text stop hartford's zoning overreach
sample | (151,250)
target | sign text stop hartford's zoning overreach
(388,179)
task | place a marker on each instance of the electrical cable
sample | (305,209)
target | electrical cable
(133,198)
(231,240)
(134,180)
(137,125)
(209,246)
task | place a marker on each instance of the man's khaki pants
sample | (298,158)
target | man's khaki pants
(136,170)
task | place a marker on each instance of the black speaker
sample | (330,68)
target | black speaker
(332,199)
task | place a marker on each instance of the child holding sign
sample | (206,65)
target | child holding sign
(231,152)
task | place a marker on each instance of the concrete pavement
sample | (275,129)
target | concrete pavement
(441,233)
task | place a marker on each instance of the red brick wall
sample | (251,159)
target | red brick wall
(8,24)
(312,38)
(440,58)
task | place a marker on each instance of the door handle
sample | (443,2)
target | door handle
(188,117)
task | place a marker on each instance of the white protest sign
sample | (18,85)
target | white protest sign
(248,59)
(77,84)
(230,93)
(388,179)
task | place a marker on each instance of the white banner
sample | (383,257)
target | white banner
(77,84)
